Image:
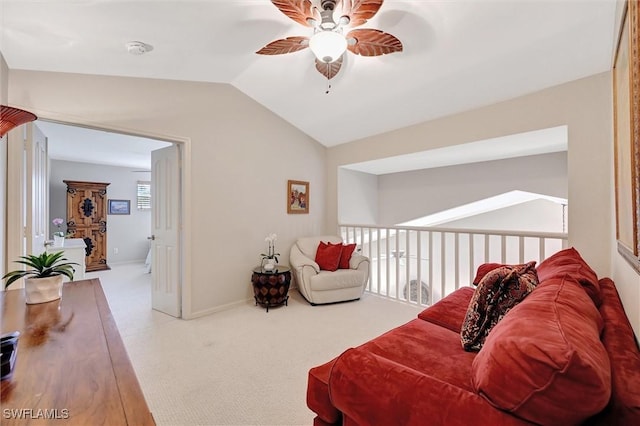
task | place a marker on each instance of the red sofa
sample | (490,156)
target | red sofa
(564,355)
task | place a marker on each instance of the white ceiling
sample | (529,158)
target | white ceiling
(72,143)
(458,54)
(543,141)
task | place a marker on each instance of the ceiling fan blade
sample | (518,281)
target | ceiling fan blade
(370,42)
(360,11)
(285,45)
(299,10)
(329,70)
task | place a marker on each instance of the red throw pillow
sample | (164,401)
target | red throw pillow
(568,262)
(498,292)
(484,269)
(328,256)
(347,251)
(545,362)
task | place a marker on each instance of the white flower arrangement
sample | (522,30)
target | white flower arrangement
(271,248)
(58,221)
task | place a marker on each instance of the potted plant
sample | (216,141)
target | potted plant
(58,236)
(270,258)
(43,282)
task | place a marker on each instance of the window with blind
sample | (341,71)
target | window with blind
(144,195)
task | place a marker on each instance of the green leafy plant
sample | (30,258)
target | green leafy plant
(44,265)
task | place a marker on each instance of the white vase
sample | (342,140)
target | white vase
(270,265)
(58,241)
(41,290)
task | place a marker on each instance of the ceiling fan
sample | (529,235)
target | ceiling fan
(328,42)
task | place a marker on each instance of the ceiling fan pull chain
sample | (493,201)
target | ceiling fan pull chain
(328,81)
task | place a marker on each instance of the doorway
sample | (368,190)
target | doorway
(90,150)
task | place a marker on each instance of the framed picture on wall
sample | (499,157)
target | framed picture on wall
(297,197)
(119,207)
(626,103)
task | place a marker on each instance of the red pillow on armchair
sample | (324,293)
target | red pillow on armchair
(328,256)
(347,251)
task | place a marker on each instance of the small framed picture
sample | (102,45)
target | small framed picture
(297,197)
(119,207)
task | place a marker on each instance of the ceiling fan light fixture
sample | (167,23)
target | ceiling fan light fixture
(328,46)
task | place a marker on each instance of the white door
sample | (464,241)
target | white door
(27,193)
(37,200)
(165,230)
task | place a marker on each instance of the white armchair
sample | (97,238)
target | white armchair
(319,286)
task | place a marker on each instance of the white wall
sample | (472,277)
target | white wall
(586,107)
(357,197)
(630,294)
(532,216)
(240,156)
(4,85)
(126,233)
(410,195)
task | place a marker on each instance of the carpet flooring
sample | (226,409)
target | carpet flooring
(241,366)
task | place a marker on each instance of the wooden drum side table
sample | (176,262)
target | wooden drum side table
(271,288)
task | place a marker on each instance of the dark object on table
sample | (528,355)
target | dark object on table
(9,349)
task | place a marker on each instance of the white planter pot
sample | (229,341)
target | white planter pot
(58,241)
(41,290)
(270,265)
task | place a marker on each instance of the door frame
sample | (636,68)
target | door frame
(184,236)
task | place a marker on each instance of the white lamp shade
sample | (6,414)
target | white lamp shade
(328,46)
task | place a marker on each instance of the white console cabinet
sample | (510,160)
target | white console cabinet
(74,251)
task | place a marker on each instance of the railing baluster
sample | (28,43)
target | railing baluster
(419,266)
(380,283)
(379,261)
(456,251)
(387,262)
(521,249)
(369,254)
(397,263)
(407,272)
(443,271)
(471,256)
(430,263)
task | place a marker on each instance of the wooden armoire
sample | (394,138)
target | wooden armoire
(87,219)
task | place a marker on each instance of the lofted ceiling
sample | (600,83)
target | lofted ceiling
(458,54)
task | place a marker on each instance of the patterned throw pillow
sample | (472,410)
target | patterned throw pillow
(498,292)
(484,269)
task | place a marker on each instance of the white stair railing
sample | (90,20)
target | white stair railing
(421,265)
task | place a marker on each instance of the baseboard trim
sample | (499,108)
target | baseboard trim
(220,308)
(126,262)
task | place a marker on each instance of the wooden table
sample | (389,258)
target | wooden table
(72,367)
